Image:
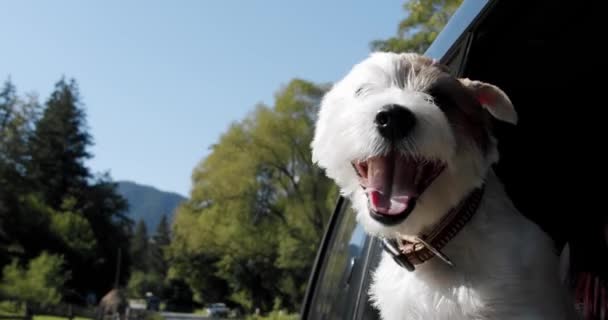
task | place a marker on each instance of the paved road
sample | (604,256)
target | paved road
(183,316)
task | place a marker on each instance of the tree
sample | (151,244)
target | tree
(17,118)
(149,263)
(419,29)
(162,236)
(141,283)
(160,241)
(47,191)
(258,206)
(57,172)
(8,102)
(8,98)
(58,147)
(139,247)
(40,283)
(105,209)
(73,229)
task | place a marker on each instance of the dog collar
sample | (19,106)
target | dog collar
(410,253)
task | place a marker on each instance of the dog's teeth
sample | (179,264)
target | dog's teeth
(356,170)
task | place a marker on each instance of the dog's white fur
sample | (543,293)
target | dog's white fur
(505,266)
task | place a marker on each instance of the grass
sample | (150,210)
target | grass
(44,317)
(201,311)
(275,315)
(10,308)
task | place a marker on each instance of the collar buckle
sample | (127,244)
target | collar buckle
(392,247)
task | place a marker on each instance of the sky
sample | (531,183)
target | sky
(162,80)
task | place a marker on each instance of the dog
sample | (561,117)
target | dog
(412,147)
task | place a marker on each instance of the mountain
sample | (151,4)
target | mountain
(149,203)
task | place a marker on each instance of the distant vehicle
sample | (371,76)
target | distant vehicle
(152,302)
(218,310)
(518,45)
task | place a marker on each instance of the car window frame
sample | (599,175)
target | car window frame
(353,270)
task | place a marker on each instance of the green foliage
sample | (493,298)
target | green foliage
(141,282)
(17,118)
(158,245)
(162,237)
(44,317)
(276,314)
(258,207)
(73,229)
(47,191)
(58,146)
(154,316)
(41,282)
(425,19)
(105,209)
(149,263)
(11,308)
(139,247)
(58,175)
(32,218)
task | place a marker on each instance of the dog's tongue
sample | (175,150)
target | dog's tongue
(388,205)
(391,184)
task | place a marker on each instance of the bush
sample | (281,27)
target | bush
(140,283)
(40,283)
(277,313)
(73,229)
(11,308)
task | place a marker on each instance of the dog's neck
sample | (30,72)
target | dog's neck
(409,251)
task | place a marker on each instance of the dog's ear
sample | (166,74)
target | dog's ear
(492,99)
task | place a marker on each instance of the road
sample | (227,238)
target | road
(183,316)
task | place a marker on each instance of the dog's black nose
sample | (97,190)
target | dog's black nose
(394,122)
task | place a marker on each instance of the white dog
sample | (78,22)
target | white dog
(412,148)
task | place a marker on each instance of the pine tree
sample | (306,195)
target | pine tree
(8,100)
(163,233)
(60,183)
(161,239)
(17,117)
(59,146)
(139,247)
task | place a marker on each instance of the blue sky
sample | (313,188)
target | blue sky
(162,80)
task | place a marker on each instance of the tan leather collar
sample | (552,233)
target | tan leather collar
(408,253)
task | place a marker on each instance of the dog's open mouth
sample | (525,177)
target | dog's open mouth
(393,183)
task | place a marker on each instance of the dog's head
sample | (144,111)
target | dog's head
(406,141)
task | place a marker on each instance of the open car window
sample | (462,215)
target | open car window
(342,269)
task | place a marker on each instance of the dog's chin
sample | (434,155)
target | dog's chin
(393,219)
(394,182)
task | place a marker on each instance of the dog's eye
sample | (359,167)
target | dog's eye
(442,100)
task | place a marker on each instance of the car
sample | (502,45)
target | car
(152,302)
(538,51)
(218,310)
